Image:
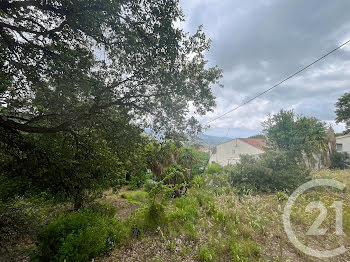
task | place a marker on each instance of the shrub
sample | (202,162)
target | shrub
(81,235)
(340,160)
(186,210)
(148,218)
(217,180)
(175,180)
(217,183)
(17,223)
(198,181)
(149,184)
(273,171)
(213,168)
(103,208)
(199,168)
(137,181)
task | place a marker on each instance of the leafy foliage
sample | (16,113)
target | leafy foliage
(57,167)
(296,134)
(340,160)
(213,168)
(160,156)
(199,167)
(16,223)
(81,235)
(273,171)
(81,80)
(138,180)
(76,60)
(343,111)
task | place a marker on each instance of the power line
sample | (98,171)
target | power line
(281,82)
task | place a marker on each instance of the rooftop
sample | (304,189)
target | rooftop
(256,142)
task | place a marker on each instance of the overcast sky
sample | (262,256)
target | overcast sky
(258,43)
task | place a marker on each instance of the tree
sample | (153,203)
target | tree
(343,111)
(64,62)
(161,155)
(297,134)
(80,81)
(272,171)
(55,165)
(340,160)
(189,158)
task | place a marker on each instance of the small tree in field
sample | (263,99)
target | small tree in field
(343,111)
(273,171)
(299,135)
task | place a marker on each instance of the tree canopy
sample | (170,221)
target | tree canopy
(65,64)
(81,80)
(297,134)
(343,111)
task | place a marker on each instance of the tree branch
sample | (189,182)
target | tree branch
(34,129)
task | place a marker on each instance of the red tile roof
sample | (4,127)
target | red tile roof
(256,142)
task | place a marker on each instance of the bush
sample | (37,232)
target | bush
(198,181)
(213,168)
(340,160)
(81,235)
(137,181)
(147,219)
(17,224)
(273,171)
(149,184)
(217,183)
(175,180)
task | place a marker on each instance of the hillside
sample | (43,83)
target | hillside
(213,141)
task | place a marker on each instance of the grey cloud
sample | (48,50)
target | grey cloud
(258,43)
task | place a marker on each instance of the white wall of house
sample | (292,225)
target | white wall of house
(343,143)
(230,151)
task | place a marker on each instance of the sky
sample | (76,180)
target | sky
(259,43)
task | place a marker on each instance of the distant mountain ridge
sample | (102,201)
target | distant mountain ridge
(213,141)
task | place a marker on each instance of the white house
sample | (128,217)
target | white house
(230,151)
(343,143)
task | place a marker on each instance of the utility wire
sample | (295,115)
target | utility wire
(281,82)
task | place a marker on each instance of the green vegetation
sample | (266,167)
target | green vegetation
(272,171)
(214,221)
(296,134)
(340,160)
(81,235)
(343,111)
(71,123)
(80,179)
(213,168)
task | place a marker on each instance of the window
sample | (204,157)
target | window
(339,147)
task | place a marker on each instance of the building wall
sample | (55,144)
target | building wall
(229,152)
(345,142)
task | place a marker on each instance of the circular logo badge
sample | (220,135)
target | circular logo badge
(314,230)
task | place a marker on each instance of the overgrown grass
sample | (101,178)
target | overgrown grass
(135,196)
(215,222)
